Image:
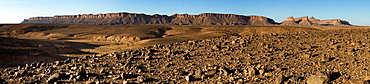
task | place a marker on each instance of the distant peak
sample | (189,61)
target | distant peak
(312,17)
(289,19)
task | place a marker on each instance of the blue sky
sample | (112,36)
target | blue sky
(354,11)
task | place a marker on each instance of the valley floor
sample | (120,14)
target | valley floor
(208,54)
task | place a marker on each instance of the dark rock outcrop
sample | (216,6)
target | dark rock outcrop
(142,19)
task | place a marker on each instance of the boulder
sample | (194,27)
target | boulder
(318,78)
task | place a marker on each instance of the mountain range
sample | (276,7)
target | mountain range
(124,18)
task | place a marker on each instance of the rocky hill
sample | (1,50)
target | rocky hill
(303,21)
(176,19)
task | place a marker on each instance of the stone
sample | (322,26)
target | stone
(185,57)
(279,79)
(231,78)
(21,73)
(74,68)
(216,47)
(141,79)
(367,78)
(27,66)
(189,78)
(54,78)
(58,63)
(237,72)
(210,72)
(306,55)
(261,71)
(91,82)
(191,72)
(123,75)
(115,78)
(67,61)
(82,71)
(148,57)
(356,82)
(296,70)
(125,82)
(318,78)
(102,71)
(251,71)
(239,82)
(224,71)
(2,81)
(198,73)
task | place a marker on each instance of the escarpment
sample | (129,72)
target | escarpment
(124,18)
(142,19)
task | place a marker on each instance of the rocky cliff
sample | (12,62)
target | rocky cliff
(140,19)
(177,19)
(305,21)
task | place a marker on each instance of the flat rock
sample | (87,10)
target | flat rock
(210,72)
(318,78)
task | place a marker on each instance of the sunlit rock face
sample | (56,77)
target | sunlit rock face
(179,19)
(142,19)
(305,21)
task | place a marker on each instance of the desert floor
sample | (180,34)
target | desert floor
(64,53)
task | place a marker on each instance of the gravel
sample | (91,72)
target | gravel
(331,56)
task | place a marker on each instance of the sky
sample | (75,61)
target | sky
(354,11)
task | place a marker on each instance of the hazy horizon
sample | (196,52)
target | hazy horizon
(16,11)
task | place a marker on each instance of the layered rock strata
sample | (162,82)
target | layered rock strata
(305,21)
(124,18)
(142,19)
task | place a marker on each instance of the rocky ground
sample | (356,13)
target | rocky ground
(331,56)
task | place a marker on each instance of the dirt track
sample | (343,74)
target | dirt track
(331,56)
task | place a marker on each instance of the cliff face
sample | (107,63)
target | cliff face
(305,21)
(179,19)
(140,19)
